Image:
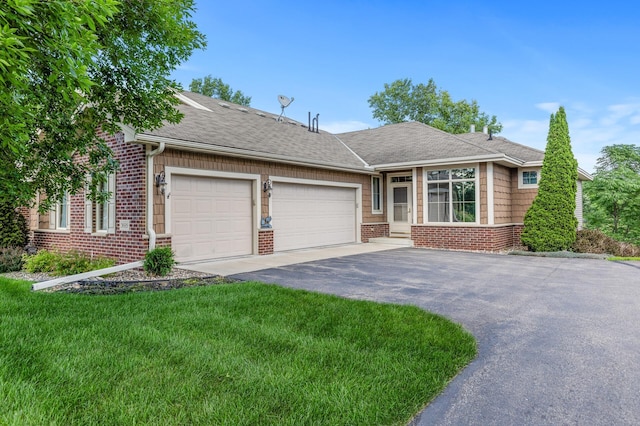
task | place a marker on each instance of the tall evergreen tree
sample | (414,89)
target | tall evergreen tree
(550,223)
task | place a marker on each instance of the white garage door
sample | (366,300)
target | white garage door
(312,216)
(211,217)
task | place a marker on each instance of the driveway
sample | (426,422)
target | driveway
(558,339)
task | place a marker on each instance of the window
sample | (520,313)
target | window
(451,195)
(100,217)
(59,216)
(376,194)
(528,178)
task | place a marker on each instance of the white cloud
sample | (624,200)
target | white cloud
(550,107)
(345,126)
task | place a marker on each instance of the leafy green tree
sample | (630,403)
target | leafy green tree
(550,223)
(71,68)
(403,101)
(215,87)
(613,197)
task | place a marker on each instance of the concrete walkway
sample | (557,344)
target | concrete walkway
(240,265)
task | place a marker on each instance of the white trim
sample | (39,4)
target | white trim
(184,171)
(522,185)
(356,186)
(449,162)
(490,194)
(380,195)
(425,180)
(393,228)
(414,195)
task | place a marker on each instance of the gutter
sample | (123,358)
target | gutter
(150,179)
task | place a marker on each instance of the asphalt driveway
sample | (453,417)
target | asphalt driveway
(559,339)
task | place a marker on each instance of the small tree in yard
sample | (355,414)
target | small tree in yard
(550,223)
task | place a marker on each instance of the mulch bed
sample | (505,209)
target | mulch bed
(120,286)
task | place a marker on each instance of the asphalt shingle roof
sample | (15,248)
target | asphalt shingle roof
(504,145)
(251,130)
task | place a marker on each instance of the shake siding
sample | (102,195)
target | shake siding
(521,199)
(174,158)
(502,194)
(484,200)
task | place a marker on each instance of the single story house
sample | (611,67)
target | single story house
(230,181)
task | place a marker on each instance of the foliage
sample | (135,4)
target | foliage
(239,354)
(13,226)
(11,259)
(404,101)
(62,264)
(550,223)
(612,199)
(71,68)
(596,241)
(159,261)
(215,87)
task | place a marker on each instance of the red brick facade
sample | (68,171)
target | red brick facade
(374,230)
(476,238)
(265,241)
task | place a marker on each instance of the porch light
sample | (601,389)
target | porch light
(161,182)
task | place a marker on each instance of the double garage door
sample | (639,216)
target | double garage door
(214,217)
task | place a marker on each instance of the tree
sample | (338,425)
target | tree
(216,88)
(550,223)
(403,101)
(613,197)
(72,69)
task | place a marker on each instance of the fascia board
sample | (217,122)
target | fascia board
(446,161)
(241,153)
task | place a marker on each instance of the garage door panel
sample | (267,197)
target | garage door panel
(312,216)
(211,217)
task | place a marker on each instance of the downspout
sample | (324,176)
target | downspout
(150,186)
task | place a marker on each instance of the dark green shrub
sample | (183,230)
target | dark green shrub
(71,263)
(596,241)
(13,227)
(550,223)
(11,259)
(159,261)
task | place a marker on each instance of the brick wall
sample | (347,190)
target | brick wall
(265,241)
(373,230)
(125,246)
(493,238)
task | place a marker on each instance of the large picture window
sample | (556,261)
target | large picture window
(451,195)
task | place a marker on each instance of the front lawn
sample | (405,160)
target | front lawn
(225,354)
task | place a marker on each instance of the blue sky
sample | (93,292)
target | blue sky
(519,60)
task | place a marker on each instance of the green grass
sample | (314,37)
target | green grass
(623,259)
(235,354)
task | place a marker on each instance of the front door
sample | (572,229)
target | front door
(400,206)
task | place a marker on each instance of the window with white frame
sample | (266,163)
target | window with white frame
(451,195)
(528,178)
(60,214)
(100,217)
(376,194)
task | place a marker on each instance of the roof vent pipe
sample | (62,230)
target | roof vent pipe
(485,130)
(472,129)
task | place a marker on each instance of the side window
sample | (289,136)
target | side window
(59,216)
(100,217)
(528,179)
(376,194)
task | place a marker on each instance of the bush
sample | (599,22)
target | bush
(71,263)
(159,261)
(596,241)
(11,259)
(13,227)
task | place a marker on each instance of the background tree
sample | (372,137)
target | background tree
(71,68)
(215,87)
(550,223)
(613,197)
(403,101)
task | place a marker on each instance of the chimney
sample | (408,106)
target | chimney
(485,130)
(472,129)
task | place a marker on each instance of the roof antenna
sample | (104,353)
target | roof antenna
(490,135)
(284,102)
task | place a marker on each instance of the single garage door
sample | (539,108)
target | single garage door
(211,217)
(312,216)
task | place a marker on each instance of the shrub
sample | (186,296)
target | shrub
(71,263)
(11,259)
(13,227)
(159,261)
(596,241)
(550,223)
